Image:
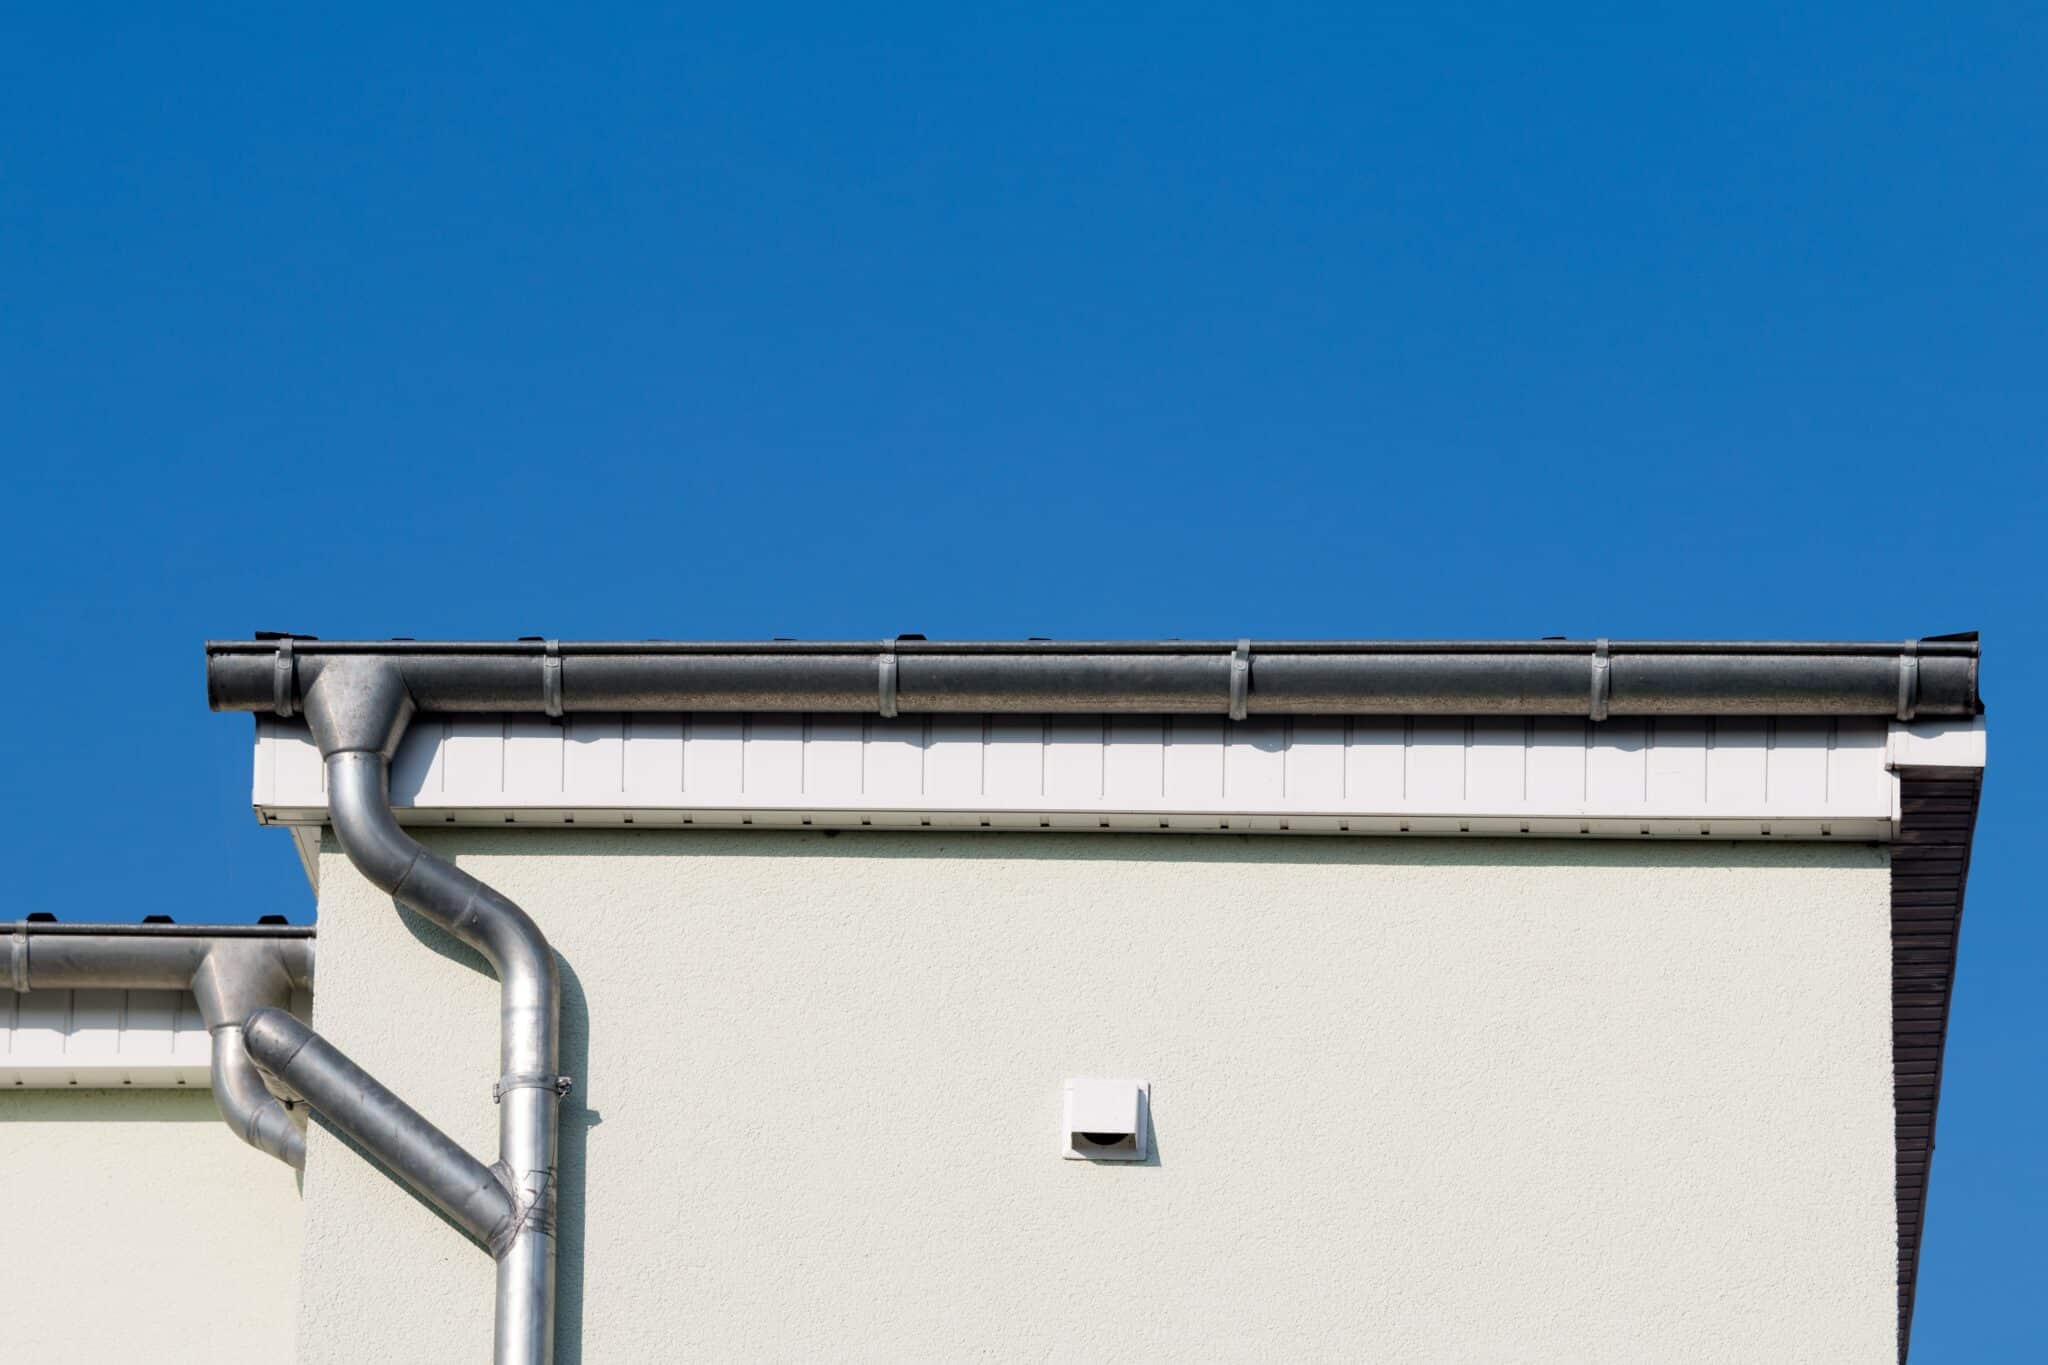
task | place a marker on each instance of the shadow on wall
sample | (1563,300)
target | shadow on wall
(578,1118)
(111,1104)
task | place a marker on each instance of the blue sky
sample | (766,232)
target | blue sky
(1197,321)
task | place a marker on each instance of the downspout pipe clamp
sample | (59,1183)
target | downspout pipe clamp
(531,1080)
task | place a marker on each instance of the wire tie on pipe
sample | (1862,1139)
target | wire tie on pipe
(1240,679)
(1909,680)
(551,678)
(1603,680)
(284,676)
(886,679)
(535,1211)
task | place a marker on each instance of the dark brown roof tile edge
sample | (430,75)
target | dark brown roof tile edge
(1930,866)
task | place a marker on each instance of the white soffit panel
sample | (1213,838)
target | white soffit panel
(108,1039)
(102,1039)
(1671,777)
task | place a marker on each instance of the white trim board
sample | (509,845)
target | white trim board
(102,1039)
(108,1039)
(1722,778)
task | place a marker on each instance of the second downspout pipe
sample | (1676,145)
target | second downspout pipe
(358,710)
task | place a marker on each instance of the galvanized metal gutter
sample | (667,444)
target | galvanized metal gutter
(1929,678)
(232,970)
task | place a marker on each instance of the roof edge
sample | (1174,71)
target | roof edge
(39,928)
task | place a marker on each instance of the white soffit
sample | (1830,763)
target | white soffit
(102,1039)
(108,1039)
(1804,778)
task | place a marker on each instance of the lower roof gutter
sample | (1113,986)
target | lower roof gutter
(231,970)
(1915,679)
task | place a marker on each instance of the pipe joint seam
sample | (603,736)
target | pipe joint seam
(532,1216)
(267,1020)
(358,705)
(397,889)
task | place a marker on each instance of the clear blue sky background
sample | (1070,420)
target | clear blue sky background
(1458,321)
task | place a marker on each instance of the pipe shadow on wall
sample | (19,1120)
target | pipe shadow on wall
(578,1118)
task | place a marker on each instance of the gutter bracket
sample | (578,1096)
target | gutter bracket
(17,954)
(886,679)
(551,679)
(1240,679)
(284,678)
(1602,681)
(1909,679)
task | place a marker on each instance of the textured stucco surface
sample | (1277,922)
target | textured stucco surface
(1415,1100)
(137,1228)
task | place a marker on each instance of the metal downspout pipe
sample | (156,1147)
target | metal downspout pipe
(358,710)
(257,1117)
(419,1154)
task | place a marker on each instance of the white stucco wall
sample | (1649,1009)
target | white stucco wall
(1413,1100)
(137,1228)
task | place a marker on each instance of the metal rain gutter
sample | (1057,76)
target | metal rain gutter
(1923,679)
(232,970)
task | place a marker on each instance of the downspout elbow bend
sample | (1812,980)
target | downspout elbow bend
(257,1117)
